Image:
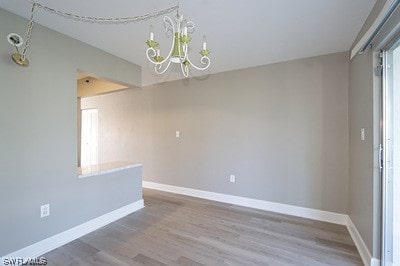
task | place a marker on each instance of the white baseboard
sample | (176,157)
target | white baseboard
(46,245)
(375,262)
(361,246)
(325,216)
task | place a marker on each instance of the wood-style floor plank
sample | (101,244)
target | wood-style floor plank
(179,230)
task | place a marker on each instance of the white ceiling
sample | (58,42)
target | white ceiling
(240,33)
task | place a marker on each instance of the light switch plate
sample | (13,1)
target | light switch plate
(362,134)
(177,134)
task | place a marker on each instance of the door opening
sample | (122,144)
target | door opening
(89,137)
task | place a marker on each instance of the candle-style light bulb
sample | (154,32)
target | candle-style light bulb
(185,31)
(151,33)
(204,42)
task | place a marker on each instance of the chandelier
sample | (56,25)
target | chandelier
(178,53)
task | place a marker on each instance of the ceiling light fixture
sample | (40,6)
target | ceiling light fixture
(178,53)
(17,41)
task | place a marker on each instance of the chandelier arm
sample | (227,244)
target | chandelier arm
(152,55)
(184,45)
(205,60)
(185,70)
(169,26)
(170,52)
(153,51)
(186,51)
(190,26)
(184,66)
(184,56)
(157,68)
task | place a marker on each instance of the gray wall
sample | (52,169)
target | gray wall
(38,138)
(364,112)
(281,129)
(361,152)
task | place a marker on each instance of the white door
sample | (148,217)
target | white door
(89,137)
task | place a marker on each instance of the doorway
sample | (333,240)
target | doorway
(89,137)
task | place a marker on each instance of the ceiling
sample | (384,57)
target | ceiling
(91,86)
(240,34)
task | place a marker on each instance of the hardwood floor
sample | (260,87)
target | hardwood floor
(179,230)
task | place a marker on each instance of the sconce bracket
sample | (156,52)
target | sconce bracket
(17,58)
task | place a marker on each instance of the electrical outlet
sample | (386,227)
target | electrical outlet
(362,134)
(44,210)
(177,134)
(232,178)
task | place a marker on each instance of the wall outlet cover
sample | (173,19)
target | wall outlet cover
(44,210)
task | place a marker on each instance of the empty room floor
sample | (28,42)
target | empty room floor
(180,230)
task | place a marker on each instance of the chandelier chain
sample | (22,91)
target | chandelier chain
(107,20)
(29,32)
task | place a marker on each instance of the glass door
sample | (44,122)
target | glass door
(391,158)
